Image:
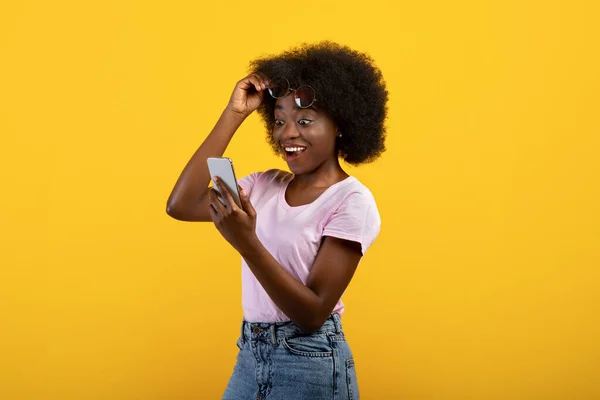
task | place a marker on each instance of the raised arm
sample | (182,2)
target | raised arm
(189,198)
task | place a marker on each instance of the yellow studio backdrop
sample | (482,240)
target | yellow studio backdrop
(484,282)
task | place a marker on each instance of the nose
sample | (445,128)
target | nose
(290,131)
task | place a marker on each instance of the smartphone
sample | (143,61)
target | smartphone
(222,168)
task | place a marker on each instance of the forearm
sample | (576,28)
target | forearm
(192,184)
(294,298)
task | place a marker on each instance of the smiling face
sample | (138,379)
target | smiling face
(306,136)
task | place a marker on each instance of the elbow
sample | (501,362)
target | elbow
(309,328)
(312,324)
(314,316)
(174,211)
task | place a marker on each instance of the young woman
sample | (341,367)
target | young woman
(301,234)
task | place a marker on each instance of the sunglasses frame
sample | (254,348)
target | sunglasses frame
(296,97)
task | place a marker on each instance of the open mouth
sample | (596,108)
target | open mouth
(293,151)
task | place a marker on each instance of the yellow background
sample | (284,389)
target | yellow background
(484,282)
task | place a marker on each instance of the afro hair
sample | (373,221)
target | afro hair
(349,87)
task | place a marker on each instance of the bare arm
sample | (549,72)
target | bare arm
(307,305)
(311,304)
(189,198)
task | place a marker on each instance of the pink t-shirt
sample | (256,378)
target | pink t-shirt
(346,210)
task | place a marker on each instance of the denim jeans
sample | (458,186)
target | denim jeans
(278,361)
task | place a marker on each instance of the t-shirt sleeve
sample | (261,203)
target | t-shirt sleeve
(356,219)
(247,182)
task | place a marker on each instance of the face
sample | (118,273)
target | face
(306,136)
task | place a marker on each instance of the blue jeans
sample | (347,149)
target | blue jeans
(279,361)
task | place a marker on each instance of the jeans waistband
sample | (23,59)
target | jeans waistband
(276,331)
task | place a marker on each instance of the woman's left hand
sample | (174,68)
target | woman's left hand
(237,225)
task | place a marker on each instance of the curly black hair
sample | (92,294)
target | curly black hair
(349,87)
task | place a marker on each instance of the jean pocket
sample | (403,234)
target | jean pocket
(308,346)
(351,380)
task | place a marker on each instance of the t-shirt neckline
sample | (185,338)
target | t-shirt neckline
(283,190)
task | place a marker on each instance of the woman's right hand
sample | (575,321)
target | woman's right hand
(248,94)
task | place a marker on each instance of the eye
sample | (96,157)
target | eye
(304,121)
(278,122)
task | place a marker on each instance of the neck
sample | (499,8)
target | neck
(324,175)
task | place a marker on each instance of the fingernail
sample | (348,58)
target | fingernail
(243,193)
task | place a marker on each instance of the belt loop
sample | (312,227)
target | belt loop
(242,334)
(337,322)
(273,334)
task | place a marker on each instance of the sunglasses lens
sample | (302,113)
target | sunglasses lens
(305,96)
(279,89)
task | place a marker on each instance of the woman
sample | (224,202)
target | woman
(301,235)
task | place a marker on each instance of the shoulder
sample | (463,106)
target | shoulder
(268,178)
(354,201)
(355,193)
(276,175)
(355,217)
(271,176)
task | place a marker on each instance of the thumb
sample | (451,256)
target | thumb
(247,204)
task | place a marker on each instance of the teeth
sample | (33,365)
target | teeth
(294,149)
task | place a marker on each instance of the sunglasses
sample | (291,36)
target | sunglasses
(304,96)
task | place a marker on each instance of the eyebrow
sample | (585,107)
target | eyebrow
(280,107)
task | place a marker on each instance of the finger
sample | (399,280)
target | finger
(226,195)
(244,83)
(264,80)
(222,193)
(213,213)
(248,207)
(216,203)
(212,197)
(261,96)
(248,82)
(254,79)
